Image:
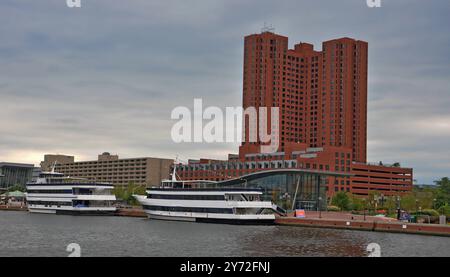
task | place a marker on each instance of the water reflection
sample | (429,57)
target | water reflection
(24,234)
(291,241)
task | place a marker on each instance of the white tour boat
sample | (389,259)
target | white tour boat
(54,193)
(205,201)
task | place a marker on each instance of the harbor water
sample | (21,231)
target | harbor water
(25,234)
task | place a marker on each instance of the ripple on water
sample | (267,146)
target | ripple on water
(24,234)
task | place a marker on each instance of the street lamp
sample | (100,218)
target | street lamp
(318,206)
(398,207)
(382,198)
(364,200)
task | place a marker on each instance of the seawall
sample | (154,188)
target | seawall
(377,226)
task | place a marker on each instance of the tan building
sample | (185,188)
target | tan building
(50,159)
(120,172)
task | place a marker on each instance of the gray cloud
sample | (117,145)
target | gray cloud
(106,77)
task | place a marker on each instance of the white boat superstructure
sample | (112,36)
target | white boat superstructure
(240,206)
(54,193)
(204,201)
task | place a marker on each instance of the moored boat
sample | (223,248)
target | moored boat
(54,193)
(206,201)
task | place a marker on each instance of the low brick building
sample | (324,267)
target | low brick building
(364,178)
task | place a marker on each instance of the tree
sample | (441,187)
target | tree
(408,202)
(390,204)
(341,200)
(444,210)
(126,193)
(356,203)
(424,199)
(442,192)
(396,164)
(372,200)
(17,187)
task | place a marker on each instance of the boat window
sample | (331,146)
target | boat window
(188,209)
(186,197)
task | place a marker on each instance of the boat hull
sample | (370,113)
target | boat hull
(218,219)
(90,212)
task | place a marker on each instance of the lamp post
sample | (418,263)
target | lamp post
(382,199)
(318,206)
(398,207)
(364,200)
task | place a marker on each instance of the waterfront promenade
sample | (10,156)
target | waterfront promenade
(344,216)
(349,221)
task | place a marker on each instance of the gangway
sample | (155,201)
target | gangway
(274,208)
(280,211)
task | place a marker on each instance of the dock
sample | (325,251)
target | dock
(13,208)
(370,224)
(131,212)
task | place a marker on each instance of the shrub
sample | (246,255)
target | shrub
(445,210)
(429,212)
(341,200)
(333,209)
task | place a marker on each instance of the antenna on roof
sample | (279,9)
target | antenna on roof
(267,28)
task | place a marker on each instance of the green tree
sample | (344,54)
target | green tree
(372,200)
(444,210)
(442,192)
(126,193)
(341,200)
(408,202)
(390,204)
(424,199)
(356,203)
(17,187)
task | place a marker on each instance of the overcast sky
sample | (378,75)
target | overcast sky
(105,77)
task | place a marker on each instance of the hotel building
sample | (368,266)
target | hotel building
(109,168)
(322,97)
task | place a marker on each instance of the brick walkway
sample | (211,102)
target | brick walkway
(345,216)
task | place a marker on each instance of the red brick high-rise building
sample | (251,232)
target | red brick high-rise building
(322,100)
(322,95)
